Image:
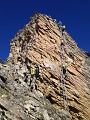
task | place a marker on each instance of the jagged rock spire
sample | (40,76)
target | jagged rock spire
(39,43)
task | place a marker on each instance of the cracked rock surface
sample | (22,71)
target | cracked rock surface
(39,43)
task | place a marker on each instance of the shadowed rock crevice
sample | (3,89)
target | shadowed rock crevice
(75,110)
(49,97)
(3,79)
(88,54)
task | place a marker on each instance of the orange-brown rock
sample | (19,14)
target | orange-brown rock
(39,43)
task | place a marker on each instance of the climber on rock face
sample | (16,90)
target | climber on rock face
(33,79)
(54,20)
(61,28)
(64,69)
(62,45)
(32,75)
(59,23)
(27,74)
(37,71)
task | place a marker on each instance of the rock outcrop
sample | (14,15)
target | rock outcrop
(39,43)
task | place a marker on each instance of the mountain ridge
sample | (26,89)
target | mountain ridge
(39,43)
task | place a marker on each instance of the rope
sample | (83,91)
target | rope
(65,99)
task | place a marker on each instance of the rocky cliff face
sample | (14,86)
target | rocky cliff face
(39,43)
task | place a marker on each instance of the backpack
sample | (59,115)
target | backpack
(33,71)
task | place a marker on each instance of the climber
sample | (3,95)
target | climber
(64,69)
(61,28)
(62,42)
(33,79)
(27,74)
(59,23)
(62,45)
(54,20)
(37,71)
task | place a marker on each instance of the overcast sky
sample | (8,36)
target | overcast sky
(14,14)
